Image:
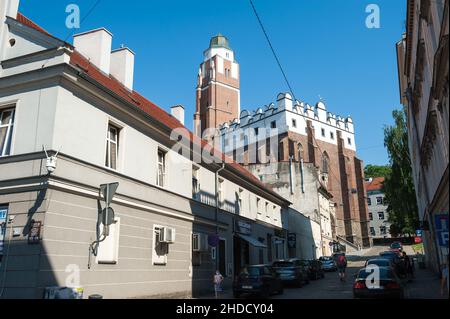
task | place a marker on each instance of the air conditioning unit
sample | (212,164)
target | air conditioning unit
(200,242)
(167,235)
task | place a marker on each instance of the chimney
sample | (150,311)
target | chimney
(96,46)
(122,66)
(177,112)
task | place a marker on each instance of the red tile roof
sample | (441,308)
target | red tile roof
(375,184)
(161,116)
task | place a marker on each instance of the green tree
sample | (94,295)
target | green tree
(377,171)
(398,186)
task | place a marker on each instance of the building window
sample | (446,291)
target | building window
(267,209)
(300,151)
(325,163)
(6,131)
(273,124)
(369,201)
(294,123)
(380,200)
(227,73)
(195,182)
(323,132)
(383,230)
(161,174)
(349,140)
(372,231)
(332,135)
(159,249)
(220,191)
(370,216)
(381,216)
(108,250)
(256,131)
(112,147)
(239,200)
(258,205)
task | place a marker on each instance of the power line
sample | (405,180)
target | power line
(272,48)
(286,79)
(81,21)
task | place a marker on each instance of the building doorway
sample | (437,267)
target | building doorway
(241,253)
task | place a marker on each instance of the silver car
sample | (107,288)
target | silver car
(328,263)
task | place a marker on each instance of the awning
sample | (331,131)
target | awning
(252,241)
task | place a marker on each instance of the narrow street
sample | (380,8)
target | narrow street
(424,286)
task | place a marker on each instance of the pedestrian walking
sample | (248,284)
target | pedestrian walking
(444,279)
(218,280)
(407,266)
(342,266)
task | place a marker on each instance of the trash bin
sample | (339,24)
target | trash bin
(95,297)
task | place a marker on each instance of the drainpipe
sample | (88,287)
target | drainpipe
(302,182)
(291,177)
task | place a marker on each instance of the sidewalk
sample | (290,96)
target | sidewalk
(425,285)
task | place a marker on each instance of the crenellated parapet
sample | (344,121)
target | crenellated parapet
(302,111)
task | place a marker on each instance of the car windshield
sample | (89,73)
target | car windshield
(281,264)
(379,262)
(252,271)
(396,245)
(385,273)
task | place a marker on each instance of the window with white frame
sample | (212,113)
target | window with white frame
(239,195)
(159,249)
(294,123)
(372,231)
(383,230)
(6,130)
(108,250)
(332,135)
(369,201)
(370,216)
(349,140)
(379,200)
(267,210)
(161,173)
(323,132)
(112,146)
(258,206)
(195,182)
(381,215)
(220,190)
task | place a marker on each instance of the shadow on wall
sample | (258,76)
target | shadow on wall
(25,271)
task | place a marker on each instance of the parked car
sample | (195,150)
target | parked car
(380,262)
(291,271)
(314,269)
(259,280)
(396,247)
(328,263)
(389,285)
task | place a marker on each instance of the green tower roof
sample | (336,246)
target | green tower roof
(219,41)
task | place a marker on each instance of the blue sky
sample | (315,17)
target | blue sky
(324,47)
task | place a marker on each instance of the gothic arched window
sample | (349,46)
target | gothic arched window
(325,163)
(300,151)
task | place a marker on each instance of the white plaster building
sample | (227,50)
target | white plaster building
(378,215)
(79,100)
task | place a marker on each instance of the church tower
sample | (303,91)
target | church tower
(218,93)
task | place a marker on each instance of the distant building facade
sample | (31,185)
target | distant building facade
(423,58)
(379,225)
